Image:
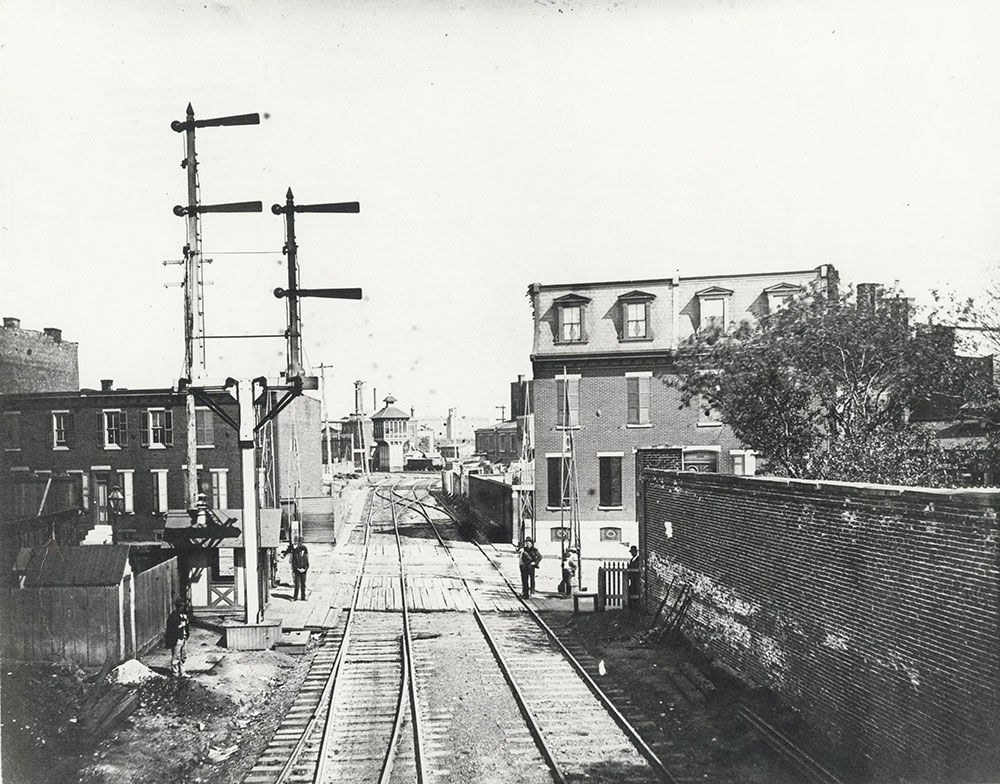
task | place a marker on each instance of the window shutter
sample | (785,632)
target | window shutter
(123,430)
(168,427)
(70,430)
(143,428)
(643,398)
(616,481)
(561,402)
(633,401)
(574,402)
(555,481)
(100,428)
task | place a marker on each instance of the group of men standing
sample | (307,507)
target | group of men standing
(529,558)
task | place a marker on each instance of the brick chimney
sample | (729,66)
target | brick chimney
(107,384)
(9,322)
(869,295)
(54,333)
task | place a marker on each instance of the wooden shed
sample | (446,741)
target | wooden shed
(71,603)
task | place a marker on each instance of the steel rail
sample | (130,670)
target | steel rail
(632,734)
(326,698)
(522,704)
(408,685)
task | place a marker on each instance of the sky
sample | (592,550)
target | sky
(491,145)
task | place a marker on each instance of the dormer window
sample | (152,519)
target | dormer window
(635,315)
(713,307)
(572,310)
(780,295)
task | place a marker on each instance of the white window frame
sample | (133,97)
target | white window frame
(564,323)
(210,413)
(568,377)
(55,431)
(105,430)
(643,308)
(649,408)
(127,478)
(160,499)
(724,299)
(220,487)
(151,429)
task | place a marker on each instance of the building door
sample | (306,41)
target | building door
(101,497)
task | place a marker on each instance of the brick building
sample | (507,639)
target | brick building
(33,361)
(503,442)
(135,439)
(601,364)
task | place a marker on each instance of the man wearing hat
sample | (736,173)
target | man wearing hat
(568,572)
(529,560)
(178,630)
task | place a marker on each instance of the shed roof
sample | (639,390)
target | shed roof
(389,411)
(90,565)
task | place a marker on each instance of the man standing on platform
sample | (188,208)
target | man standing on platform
(529,560)
(300,565)
(176,637)
(633,577)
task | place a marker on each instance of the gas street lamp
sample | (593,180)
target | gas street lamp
(116,502)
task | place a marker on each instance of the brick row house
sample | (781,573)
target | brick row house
(135,440)
(601,363)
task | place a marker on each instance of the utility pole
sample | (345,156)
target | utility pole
(194,282)
(326,420)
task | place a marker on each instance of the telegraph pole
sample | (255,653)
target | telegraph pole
(194,284)
(326,419)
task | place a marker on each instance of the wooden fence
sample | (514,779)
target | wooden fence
(155,591)
(612,584)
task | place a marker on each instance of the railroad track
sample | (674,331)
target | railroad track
(554,692)
(370,710)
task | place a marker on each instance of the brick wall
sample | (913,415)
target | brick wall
(33,361)
(872,610)
(493,500)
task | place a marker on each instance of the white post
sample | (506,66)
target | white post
(248,472)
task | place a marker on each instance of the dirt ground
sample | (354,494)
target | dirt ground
(206,727)
(211,725)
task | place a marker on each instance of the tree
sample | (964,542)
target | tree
(823,388)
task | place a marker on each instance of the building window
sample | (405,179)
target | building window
(204,427)
(220,490)
(638,399)
(558,484)
(62,429)
(701,459)
(11,433)
(611,480)
(157,428)
(568,401)
(611,534)
(572,312)
(112,429)
(635,320)
(779,296)
(571,324)
(708,415)
(127,486)
(159,490)
(635,315)
(713,308)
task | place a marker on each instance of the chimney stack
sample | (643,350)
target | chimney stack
(107,384)
(9,322)
(54,333)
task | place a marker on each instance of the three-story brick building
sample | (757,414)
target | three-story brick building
(602,366)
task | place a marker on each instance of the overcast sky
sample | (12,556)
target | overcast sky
(490,145)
